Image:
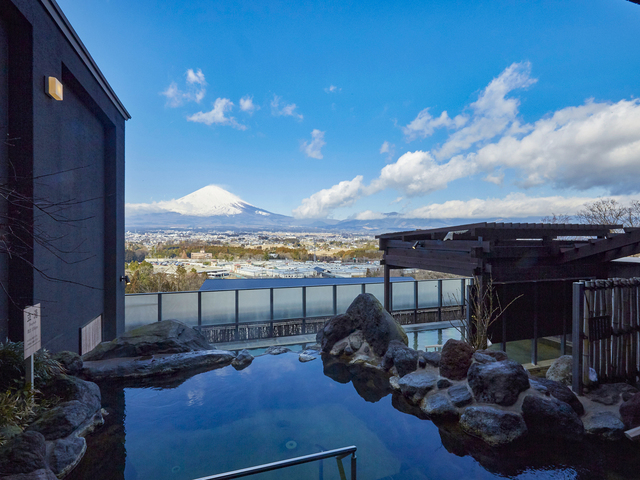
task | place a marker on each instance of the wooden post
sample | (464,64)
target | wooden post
(387,288)
(534,342)
(576,337)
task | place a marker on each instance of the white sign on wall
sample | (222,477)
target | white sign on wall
(32,332)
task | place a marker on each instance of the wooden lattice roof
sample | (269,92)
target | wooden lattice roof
(512,251)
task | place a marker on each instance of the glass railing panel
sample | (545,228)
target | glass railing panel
(218,307)
(140,310)
(254,305)
(451,292)
(428,294)
(403,296)
(376,289)
(346,295)
(181,306)
(287,303)
(319,301)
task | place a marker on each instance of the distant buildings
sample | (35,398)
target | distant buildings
(202,255)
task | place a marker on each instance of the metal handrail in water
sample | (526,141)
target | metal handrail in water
(267,467)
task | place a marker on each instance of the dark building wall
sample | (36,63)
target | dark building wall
(4,130)
(74,157)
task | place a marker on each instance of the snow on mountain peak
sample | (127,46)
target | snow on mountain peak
(208,201)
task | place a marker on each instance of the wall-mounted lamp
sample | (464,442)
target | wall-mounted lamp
(416,245)
(125,279)
(53,88)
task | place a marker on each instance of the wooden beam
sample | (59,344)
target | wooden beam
(455,268)
(601,246)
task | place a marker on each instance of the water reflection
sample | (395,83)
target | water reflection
(223,419)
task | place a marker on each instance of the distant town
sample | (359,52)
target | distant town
(182,259)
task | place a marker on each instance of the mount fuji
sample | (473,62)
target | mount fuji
(211,206)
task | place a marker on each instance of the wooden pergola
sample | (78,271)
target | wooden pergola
(534,259)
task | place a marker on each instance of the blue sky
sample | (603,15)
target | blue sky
(350,109)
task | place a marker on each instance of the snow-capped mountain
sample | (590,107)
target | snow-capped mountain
(211,201)
(208,206)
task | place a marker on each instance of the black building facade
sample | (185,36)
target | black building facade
(61,180)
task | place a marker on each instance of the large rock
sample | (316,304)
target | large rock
(496,427)
(405,359)
(497,382)
(630,412)
(439,408)
(551,417)
(559,391)
(460,395)
(612,393)
(242,360)
(64,454)
(417,384)
(41,474)
(168,336)
(368,315)
(605,424)
(24,454)
(455,359)
(560,370)
(79,413)
(429,358)
(155,366)
(71,361)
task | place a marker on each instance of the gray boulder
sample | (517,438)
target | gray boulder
(242,360)
(499,355)
(558,391)
(460,395)
(24,454)
(119,369)
(429,358)
(482,358)
(64,454)
(630,412)
(497,382)
(455,359)
(560,370)
(417,384)
(443,383)
(612,393)
(405,359)
(439,408)
(605,424)
(305,357)
(368,315)
(71,361)
(168,336)
(276,350)
(80,411)
(551,417)
(495,427)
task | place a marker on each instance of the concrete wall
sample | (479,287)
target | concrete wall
(71,164)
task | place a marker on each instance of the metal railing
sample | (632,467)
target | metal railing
(273,304)
(339,453)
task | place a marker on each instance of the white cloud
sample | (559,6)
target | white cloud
(369,215)
(217,115)
(333,89)
(195,77)
(418,174)
(322,203)
(195,89)
(288,110)
(312,148)
(424,124)
(513,205)
(247,105)
(388,148)
(593,145)
(493,113)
